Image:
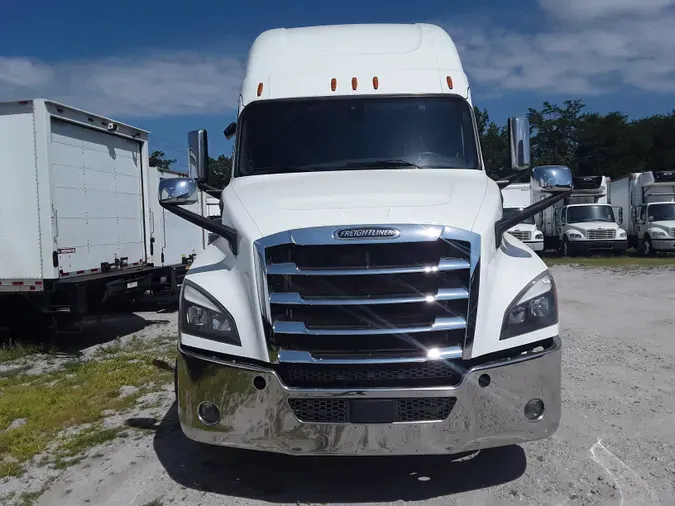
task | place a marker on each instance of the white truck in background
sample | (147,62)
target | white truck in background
(80,227)
(648,203)
(362,296)
(516,197)
(584,221)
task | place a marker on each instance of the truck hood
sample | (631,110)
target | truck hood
(593,225)
(524,227)
(280,202)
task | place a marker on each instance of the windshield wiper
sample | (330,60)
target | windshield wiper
(383,164)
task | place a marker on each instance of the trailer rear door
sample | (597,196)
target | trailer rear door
(96,187)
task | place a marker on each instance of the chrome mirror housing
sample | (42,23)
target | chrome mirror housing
(551,179)
(179,191)
(519,142)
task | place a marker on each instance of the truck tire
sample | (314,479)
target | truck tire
(564,248)
(647,248)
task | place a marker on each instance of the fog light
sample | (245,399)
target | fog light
(534,410)
(208,413)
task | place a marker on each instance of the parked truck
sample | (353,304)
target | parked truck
(362,296)
(516,197)
(647,201)
(80,224)
(584,221)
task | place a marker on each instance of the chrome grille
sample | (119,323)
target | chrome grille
(521,235)
(672,232)
(387,298)
(601,234)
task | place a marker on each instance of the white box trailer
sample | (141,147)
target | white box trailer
(648,203)
(76,227)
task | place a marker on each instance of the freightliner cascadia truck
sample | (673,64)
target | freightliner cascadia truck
(362,296)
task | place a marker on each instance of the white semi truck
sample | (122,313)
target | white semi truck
(516,197)
(584,221)
(647,200)
(81,228)
(362,296)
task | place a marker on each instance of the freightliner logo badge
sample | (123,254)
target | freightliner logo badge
(367,233)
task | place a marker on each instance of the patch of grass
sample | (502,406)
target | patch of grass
(16,349)
(85,390)
(154,502)
(630,259)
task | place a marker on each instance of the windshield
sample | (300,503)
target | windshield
(583,214)
(510,212)
(661,212)
(312,134)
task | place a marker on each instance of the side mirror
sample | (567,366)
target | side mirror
(230,130)
(179,191)
(519,142)
(619,214)
(198,155)
(551,179)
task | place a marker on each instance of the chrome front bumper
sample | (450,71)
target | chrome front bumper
(262,419)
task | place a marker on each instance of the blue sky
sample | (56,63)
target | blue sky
(169,68)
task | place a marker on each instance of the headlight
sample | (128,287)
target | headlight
(538,235)
(535,307)
(202,316)
(622,233)
(575,235)
(658,233)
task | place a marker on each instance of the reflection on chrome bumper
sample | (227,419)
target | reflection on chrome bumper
(262,418)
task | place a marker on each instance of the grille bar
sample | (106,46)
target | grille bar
(521,235)
(305,357)
(296,299)
(446,264)
(299,328)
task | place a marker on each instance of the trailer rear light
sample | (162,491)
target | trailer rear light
(376,83)
(448,80)
(17,283)
(333,84)
(355,83)
(260,88)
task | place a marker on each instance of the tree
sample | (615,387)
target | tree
(158,159)
(220,171)
(494,145)
(555,133)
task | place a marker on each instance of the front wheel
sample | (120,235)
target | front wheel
(647,247)
(565,248)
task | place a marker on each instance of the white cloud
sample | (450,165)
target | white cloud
(583,47)
(165,84)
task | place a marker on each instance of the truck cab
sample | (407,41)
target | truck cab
(362,296)
(517,197)
(653,214)
(585,221)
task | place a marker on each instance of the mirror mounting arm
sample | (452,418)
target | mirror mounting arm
(508,180)
(211,190)
(503,225)
(227,233)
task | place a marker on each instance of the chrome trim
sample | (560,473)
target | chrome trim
(442,295)
(323,235)
(263,420)
(439,325)
(446,264)
(305,357)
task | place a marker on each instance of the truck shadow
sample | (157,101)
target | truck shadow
(286,479)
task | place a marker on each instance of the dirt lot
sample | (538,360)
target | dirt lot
(616,443)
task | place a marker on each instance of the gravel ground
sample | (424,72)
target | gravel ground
(615,445)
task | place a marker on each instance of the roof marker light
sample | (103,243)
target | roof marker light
(333,84)
(260,88)
(355,83)
(376,83)
(448,80)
